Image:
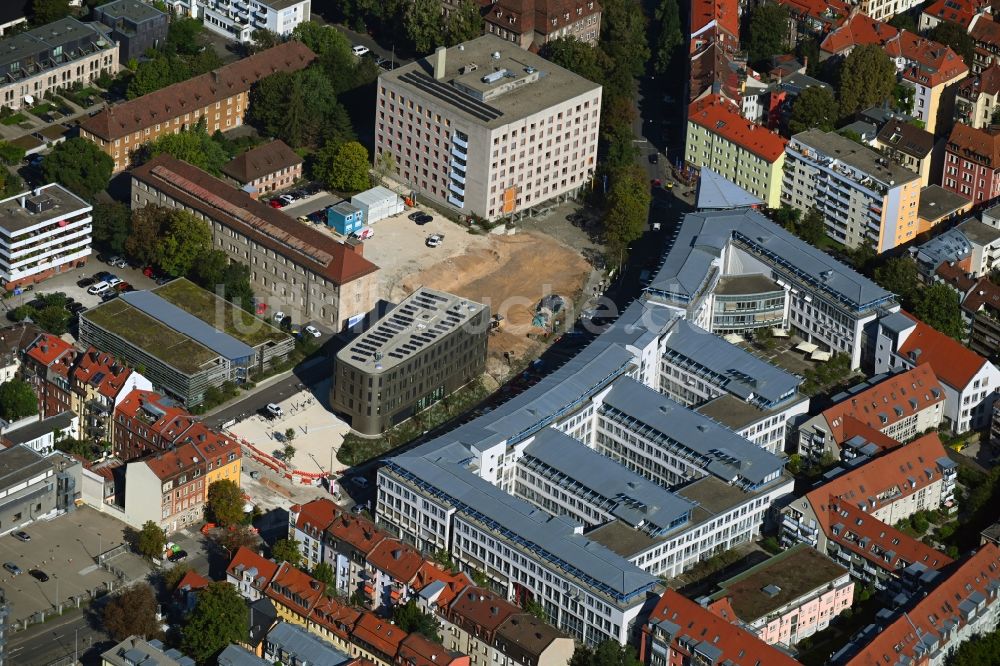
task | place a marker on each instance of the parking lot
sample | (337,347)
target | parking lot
(66,549)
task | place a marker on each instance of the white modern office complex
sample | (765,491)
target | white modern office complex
(488,129)
(43,232)
(237,19)
(824,301)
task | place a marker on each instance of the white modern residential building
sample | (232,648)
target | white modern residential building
(488,129)
(826,302)
(237,19)
(43,232)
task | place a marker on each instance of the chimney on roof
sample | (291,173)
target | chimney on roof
(356,246)
(439,61)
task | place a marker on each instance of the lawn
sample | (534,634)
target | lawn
(219,313)
(14,119)
(41,109)
(79,97)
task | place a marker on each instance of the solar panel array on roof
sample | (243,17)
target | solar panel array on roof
(243,215)
(448,94)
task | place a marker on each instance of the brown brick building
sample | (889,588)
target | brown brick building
(220,97)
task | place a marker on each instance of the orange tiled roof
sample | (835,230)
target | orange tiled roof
(399,560)
(821,10)
(853,427)
(896,398)
(986,82)
(246,560)
(889,474)
(416,650)
(978,145)
(380,634)
(735,645)
(986,32)
(723,118)
(214,446)
(942,608)
(929,63)
(315,515)
(168,464)
(480,607)
(47,348)
(101,370)
(295,589)
(192,580)
(956,11)
(725,13)
(335,617)
(453,583)
(858,29)
(953,363)
(983,294)
(358,532)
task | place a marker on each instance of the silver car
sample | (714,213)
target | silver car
(12,568)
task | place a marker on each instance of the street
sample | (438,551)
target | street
(57,641)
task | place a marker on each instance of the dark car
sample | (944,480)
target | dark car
(123,287)
(177,556)
(22,536)
(103,276)
(654,158)
(85,282)
(77,308)
(424,219)
(414,215)
(39,575)
(109,295)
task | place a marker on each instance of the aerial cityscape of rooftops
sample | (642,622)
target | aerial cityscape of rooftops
(500,333)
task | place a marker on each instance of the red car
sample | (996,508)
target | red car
(148,271)
(656,182)
(276,203)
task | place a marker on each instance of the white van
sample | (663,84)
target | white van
(99,288)
(274,410)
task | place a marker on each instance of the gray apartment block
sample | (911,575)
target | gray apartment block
(28,486)
(427,347)
(136,26)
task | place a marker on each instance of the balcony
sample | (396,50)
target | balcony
(457,189)
(459,152)
(456,176)
(459,141)
(457,203)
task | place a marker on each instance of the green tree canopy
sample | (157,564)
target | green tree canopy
(939,306)
(815,108)
(900,276)
(409,618)
(423,25)
(112,225)
(904,21)
(608,653)
(132,612)
(225,502)
(343,167)
(151,540)
(301,109)
(811,229)
(47,11)
(768,32)
(193,146)
(953,35)
(182,35)
(578,57)
(867,78)
(667,35)
(220,617)
(627,211)
(10,154)
(286,550)
(183,239)
(464,22)
(146,225)
(264,39)
(17,400)
(623,39)
(323,572)
(79,165)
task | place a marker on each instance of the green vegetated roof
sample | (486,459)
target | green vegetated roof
(150,335)
(219,313)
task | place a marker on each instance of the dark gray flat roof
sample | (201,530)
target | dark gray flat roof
(979,233)
(739,285)
(713,495)
(134,10)
(936,202)
(14,217)
(737,414)
(18,50)
(18,464)
(306,646)
(187,324)
(636,499)
(39,428)
(623,539)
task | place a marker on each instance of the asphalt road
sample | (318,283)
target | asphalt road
(57,641)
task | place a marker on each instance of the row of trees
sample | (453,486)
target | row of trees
(937,305)
(418,25)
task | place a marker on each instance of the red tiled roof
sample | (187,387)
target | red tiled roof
(821,10)
(889,473)
(175,100)
(858,29)
(356,531)
(416,650)
(953,363)
(978,145)
(955,276)
(101,370)
(295,589)
(453,583)
(853,427)
(986,82)
(47,348)
(725,13)
(880,543)
(247,560)
(399,560)
(735,645)
(713,71)
(192,580)
(261,161)
(335,617)
(537,15)
(317,514)
(168,464)
(380,634)
(983,294)
(986,32)
(480,607)
(896,398)
(956,11)
(333,261)
(723,118)
(929,63)
(940,609)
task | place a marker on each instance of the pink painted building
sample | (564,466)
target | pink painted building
(788,597)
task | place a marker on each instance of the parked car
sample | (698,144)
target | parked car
(98,288)
(276,203)
(287,199)
(114,281)
(434,240)
(39,575)
(109,295)
(415,215)
(279,316)
(254,474)
(21,535)
(85,282)
(388,65)
(12,568)
(274,410)
(123,287)
(424,218)
(654,158)
(177,556)
(360,50)
(102,275)
(112,260)
(313,331)
(76,308)
(359,481)
(364,233)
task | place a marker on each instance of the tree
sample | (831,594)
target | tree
(237,537)
(344,167)
(409,618)
(423,25)
(538,610)
(172,576)
(900,276)
(220,617)
(225,502)
(132,612)
(807,51)
(194,146)
(301,109)
(286,550)
(811,229)
(787,217)
(288,452)
(794,463)
(264,39)
(183,34)
(17,400)
(578,57)
(815,108)
(465,22)
(48,11)
(147,223)
(289,434)
(667,35)
(867,78)
(608,653)
(184,238)
(627,212)
(768,32)
(10,154)
(623,39)
(111,225)
(76,447)
(79,165)
(323,572)
(939,306)
(953,35)
(152,540)
(385,166)
(903,21)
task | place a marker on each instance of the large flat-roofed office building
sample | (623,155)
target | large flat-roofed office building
(43,232)
(294,268)
(172,333)
(53,56)
(488,129)
(427,347)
